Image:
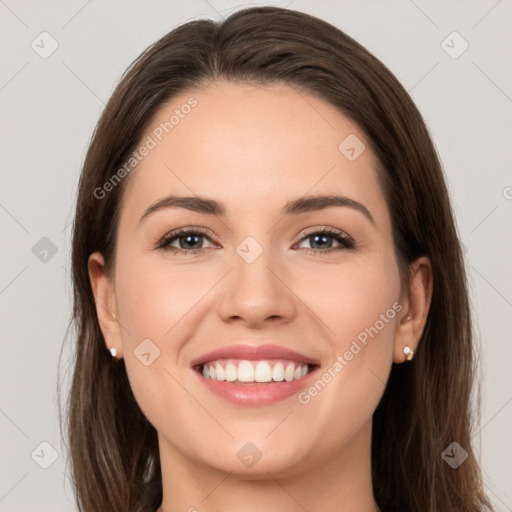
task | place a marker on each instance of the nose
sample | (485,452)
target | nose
(258,292)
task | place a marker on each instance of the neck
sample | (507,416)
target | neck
(342,481)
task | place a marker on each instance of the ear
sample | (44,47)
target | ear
(104,298)
(415,299)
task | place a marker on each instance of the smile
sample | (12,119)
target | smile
(255,375)
(233,370)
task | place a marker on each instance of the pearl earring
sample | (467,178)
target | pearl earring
(409,354)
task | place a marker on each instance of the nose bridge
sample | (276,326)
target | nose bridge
(256,287)
(255,266)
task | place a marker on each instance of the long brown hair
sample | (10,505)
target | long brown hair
(427,403)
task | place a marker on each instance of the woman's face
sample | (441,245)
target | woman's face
(257,275)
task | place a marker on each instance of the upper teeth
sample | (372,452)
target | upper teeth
(255,371)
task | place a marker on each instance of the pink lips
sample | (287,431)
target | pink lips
(252,352)
(255,394)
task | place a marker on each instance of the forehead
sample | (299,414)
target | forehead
(248,144)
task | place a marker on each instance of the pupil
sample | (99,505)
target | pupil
(188,238)
(323,237)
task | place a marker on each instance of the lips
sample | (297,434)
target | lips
(254,353)
(254,375)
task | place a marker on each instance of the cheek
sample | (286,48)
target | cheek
(156,301)
(359,301)
(153,298)
(360,306)
(153,301)
(361,315)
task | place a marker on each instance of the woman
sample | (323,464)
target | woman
(221,363)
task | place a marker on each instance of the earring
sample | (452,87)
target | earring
(409,354)
(113,351)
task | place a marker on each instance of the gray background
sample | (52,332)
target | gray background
(49,108)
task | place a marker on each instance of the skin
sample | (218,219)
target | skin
(253,148)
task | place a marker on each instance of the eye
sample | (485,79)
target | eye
(187,241)
(322,237)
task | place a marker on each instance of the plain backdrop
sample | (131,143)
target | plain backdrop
(50,104)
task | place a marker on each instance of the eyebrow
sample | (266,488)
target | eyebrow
(294,207)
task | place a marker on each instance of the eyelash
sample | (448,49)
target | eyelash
(345,241)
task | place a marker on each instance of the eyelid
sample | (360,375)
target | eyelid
(327,229)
